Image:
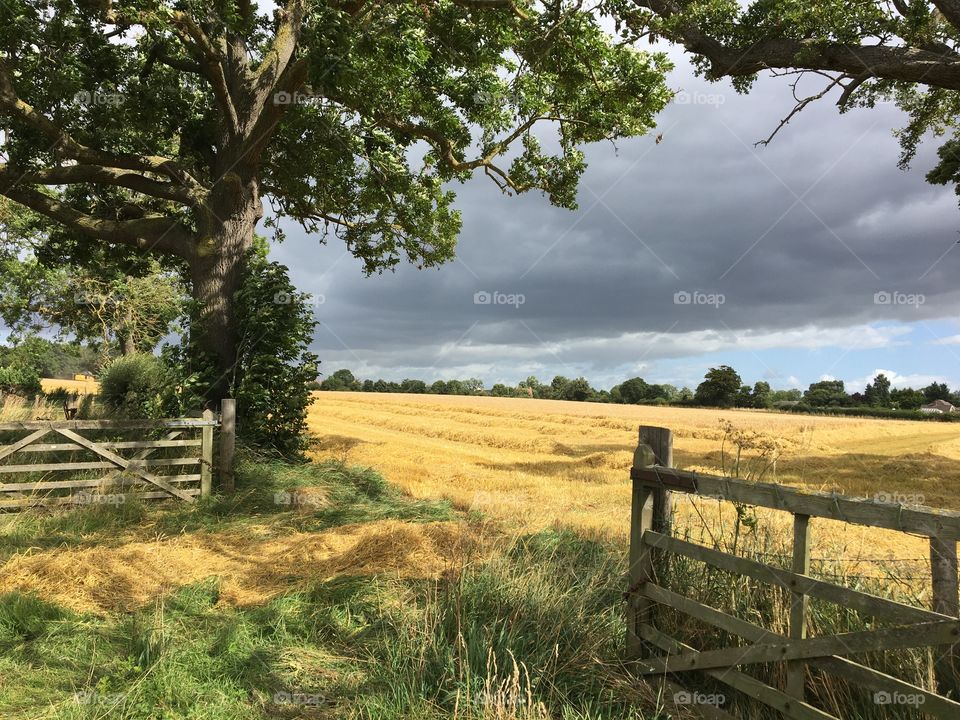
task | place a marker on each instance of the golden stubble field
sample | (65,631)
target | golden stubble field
(536,463)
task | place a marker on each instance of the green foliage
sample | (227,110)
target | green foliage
(135,385)
(50,359)
(877,393)
(340,380)
(19,380)
(720,387)
(274,363)
(826,393)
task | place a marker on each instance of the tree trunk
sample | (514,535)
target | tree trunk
(217,267)
(128,345)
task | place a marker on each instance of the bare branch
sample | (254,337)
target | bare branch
(800,105)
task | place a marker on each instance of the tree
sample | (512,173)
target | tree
(761,395)
(867,52)
(877,393)
(719,387)
(578,390)
(341,379)
(413,386)
(826,393)
(632,391)
(936,391)
(907,398)
(116,306)
(159,126)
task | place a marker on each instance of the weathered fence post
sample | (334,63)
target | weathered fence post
(206,455)
(946,600)
(797,669)
(228,443)
(650,510)
(660,440)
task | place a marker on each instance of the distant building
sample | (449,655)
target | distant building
(938,406)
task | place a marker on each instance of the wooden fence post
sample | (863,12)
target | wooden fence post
(797,670)
(660,441)
(206,455)
(640,568)
(228,442)
(946,600)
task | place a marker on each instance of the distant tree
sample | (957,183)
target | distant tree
(877,393)
(472,386)
(557,385)
(744,397)
(791,395)
(381,386)
(501,390)
(439,387)
(578,390)
(340,380)
(826,393)
(761,395)
(633,391)
(685,394)
(413,386)
(50,359)
(368,386)
(719,387)
(936,391)
(907,398)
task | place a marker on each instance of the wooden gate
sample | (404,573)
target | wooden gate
(76,462)
(656,653)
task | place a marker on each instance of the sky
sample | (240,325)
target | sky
(812,258)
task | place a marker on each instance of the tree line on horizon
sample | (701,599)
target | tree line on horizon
(721,387)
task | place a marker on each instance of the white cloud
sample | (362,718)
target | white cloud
(914,380)
(949,340)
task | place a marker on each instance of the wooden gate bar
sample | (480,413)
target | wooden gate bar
(125,464)
(944,524)
(854,599)
(790,707)
(944,632)
(23,442)
(871,679)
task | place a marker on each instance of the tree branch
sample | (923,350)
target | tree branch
(161,233)
(935,67)
(97,174)
(61,140)
(950,10)
(211,62)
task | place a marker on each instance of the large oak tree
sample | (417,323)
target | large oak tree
(858,52)
(161,127)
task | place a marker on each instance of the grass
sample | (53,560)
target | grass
(532,630)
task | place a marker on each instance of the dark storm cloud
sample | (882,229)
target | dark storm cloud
(763,244)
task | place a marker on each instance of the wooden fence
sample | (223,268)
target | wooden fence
(652,545)
(79,462)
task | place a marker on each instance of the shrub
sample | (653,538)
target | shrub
(135,385)
(18,380)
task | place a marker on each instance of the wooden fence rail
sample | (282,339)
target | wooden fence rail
(77,462)
(651,544)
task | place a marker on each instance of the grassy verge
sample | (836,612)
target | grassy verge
(534,631)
